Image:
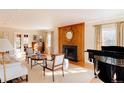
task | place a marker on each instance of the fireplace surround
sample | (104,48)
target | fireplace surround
(78,32)
(70,52)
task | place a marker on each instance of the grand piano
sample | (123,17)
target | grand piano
(108,63)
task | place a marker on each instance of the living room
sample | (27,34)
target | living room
(68,31)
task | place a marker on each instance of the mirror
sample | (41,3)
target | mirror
(69,35)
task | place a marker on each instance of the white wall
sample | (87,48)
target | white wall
(55,41)
(89,39)
(89,36)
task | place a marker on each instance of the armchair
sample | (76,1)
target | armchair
(29,53)
(14,69)
(55,64)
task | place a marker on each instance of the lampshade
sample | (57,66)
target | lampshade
(5,45)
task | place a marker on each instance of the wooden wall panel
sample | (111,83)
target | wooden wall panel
(78,39)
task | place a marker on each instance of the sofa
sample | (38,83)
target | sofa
(14,69)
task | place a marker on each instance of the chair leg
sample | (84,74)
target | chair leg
(28,61)
(53,75)
(26,78)
(63,71)
(44,70)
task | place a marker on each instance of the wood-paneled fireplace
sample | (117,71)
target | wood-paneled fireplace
(71,41)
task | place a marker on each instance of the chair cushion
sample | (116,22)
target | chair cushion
(59,59)
(50,65)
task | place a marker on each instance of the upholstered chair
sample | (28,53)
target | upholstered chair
(54,64)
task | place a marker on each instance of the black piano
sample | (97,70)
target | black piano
(108,63)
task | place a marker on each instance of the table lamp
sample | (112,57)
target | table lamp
(5,46)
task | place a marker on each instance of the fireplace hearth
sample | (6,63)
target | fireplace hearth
(70,52)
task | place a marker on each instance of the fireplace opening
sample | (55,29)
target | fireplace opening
(70,52)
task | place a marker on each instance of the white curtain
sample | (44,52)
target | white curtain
(52,42)
(98,37)
(120,33)
(49,42)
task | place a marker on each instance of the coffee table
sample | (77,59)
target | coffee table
(36,58)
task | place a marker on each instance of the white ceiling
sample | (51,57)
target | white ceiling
(48,19)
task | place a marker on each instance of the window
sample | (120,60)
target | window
(109,35)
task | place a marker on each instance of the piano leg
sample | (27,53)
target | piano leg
(113,70)
(113,74)
(95,68)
